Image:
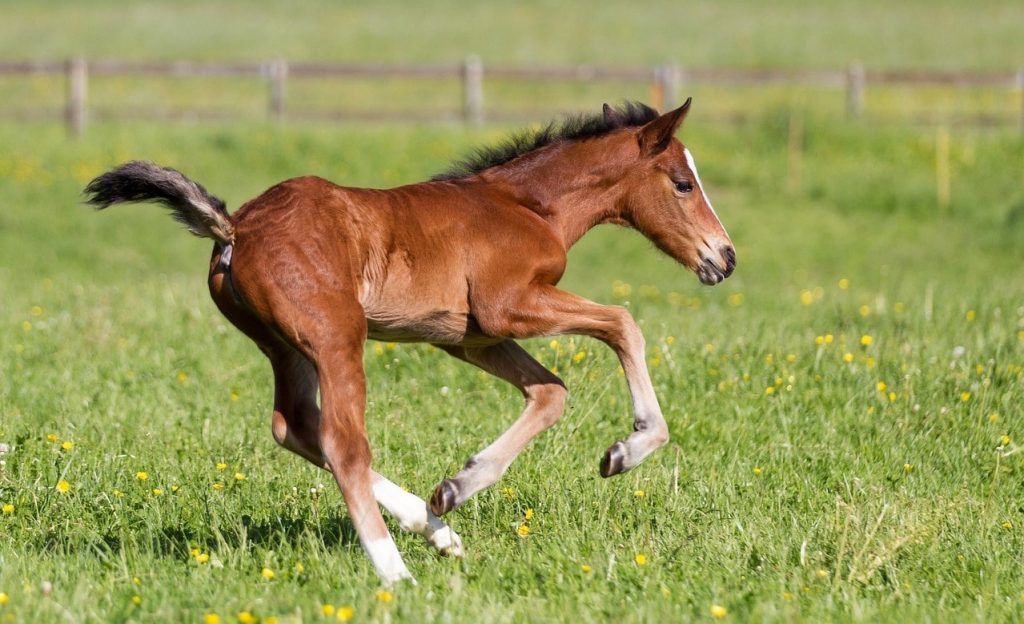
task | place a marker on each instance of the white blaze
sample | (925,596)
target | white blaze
(693,167)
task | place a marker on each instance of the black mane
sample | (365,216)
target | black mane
(570,128)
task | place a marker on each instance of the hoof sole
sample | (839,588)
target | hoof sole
(614,460)
(443,499)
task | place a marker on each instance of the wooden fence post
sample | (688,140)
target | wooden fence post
(277,87)
(795,146)
(671,78)
(78,77)
(657,97)
(855,89)
(473,90)
(942,171)
(1020,91)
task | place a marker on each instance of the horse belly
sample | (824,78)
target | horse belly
(438,327)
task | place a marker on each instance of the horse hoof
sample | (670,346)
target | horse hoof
(443,499)
(614,460)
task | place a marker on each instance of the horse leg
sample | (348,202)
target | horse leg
(295,422)
(548,311)
(545,401)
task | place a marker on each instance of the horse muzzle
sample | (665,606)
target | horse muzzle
(714,270)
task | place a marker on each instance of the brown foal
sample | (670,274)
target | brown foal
(468,261)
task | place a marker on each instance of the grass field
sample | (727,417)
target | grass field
(845,410)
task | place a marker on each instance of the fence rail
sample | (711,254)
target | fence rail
(665,82)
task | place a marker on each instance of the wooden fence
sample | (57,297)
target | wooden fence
(665,81)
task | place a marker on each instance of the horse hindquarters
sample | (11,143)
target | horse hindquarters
(307,319)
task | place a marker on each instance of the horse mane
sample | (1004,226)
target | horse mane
(570,128)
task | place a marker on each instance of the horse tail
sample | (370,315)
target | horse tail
(138,181)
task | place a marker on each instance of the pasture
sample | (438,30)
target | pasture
(845,410)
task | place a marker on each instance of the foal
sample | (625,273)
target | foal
(468,261)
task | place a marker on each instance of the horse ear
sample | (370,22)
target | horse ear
(656,136)
(613,118)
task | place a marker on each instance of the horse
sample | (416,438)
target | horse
(468,261)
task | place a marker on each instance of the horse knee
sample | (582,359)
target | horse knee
(549,401)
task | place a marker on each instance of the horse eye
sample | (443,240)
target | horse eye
(684,186)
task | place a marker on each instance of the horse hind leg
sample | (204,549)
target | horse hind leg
(296,426)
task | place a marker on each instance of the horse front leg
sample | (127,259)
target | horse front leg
(547,311)
(545,401)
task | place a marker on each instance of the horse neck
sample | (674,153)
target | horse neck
(567,185)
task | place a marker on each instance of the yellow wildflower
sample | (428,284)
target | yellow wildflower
(965,396)
(345,613)
(218,486)
(586,569)
(26,326)
(881,386)
(4,599)
(866,340)
(735,299)
(182,376)
(136,600)
(36,311)
(806,297)
(892,397)
(52,437)
(244,617)
(529,513)
(639,493)
(1007,525)
(203,558)
(136,580)
(118,493)
(580,355)
(640,559)
(971,315)
(327,609)
(908,467)
(555,345)
(267,574)
(829,338)
(993,418)
(211,618)
(63,486)
(1005,440)
(298,567)
(221,466)
(67,445)
(239,476)
(523,531)
(157,492)
(141,476)
(757,471)
(384,595)
(8,509)
(844,284)
(864,310)
(234,397)
(819,340)
(770,390)
(848,357)
(791,358)
(718,611)
(820,573)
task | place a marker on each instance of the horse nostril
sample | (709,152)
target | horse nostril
(730,258)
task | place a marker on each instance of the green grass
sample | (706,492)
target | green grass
(792,506)
(122,313)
